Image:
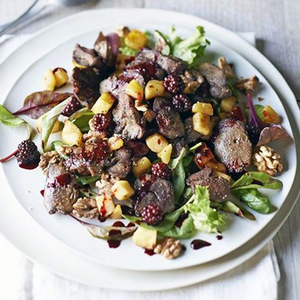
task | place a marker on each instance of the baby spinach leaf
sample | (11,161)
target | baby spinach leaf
(237,209)
(255,200)
(165,225)
(178,179)
(9,119)
(48,120)
(185,231)
(256,180)
(178,175)
(38,103)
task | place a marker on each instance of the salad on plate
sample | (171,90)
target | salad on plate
(152,136)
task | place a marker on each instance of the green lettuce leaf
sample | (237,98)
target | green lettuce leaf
(206,218)
(190,49)
(8,119)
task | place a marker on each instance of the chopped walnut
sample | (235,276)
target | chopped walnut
(192,80)
(247,85)
(86,208)
(267,161)
(226,67)
(93,135)
(48,158)
(169,248)
(105,184)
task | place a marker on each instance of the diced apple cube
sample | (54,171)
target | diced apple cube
(71,134)
(228,104)
(103,104)
(165,154)
(270,115)
(156,142)
(205,108)
(61,77)
(135,90)
(105,205)
(49,80)
(201,123)
(154,88)
(117,213)
(122,190)
(115,143)
(145,238)
(141,166)
(135,39)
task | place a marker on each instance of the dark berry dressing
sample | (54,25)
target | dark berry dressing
(198,244)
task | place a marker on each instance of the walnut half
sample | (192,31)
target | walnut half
(48,158)
(267,161)
(86,208)
(169,248)
(192,80)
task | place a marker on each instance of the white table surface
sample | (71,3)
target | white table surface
(276,24)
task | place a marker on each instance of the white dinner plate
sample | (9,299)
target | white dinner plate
(22,72)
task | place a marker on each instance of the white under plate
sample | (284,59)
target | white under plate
(22,72)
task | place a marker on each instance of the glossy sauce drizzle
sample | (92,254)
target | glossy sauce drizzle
(198,244)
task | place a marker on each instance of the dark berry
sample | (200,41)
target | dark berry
(203,90)
(152,214)
(161,170)
(174,84)
(101,122)
(253,133)
(72,106)
(181,102)
(98,152)
(28,153)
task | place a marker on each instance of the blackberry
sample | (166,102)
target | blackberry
(98,152)
(72,106)
(152,214)
(174,84)
(181,102)
(253,133)
(28,153)
(101,122)
(161,170)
